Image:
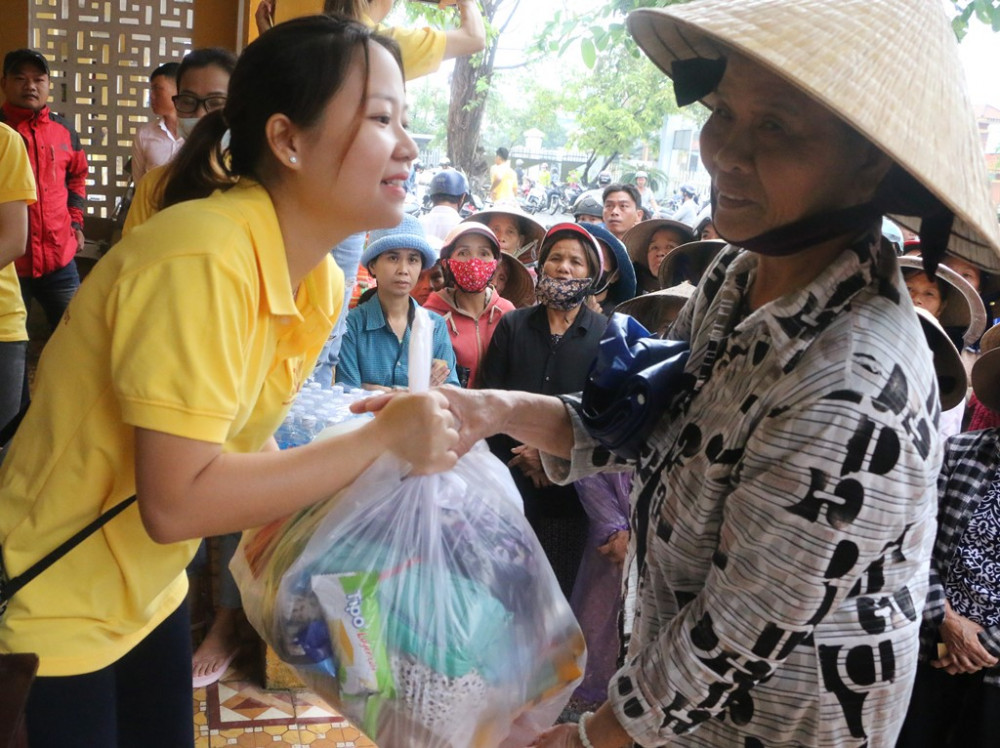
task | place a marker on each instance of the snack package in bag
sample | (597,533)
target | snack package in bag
(423,608)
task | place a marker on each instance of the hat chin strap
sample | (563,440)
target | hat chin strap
(807,232)
(935,230)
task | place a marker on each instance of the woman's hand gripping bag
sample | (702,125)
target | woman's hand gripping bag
(423,608)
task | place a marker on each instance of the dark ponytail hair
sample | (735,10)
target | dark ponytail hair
(294,69)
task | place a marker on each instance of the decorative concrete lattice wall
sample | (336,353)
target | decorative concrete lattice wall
(101,53)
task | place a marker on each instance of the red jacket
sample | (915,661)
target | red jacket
(60,168)
(470,336)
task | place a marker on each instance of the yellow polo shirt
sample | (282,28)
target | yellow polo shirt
(17,183)
(145,199)
(188,326)
(422,48)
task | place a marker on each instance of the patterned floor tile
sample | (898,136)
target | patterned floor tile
(309,706)
(245,704)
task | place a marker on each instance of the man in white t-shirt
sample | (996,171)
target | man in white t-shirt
(157,141)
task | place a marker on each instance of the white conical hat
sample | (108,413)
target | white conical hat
(908,98)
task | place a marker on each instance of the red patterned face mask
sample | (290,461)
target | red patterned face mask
(472,275)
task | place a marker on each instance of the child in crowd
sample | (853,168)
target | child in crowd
(375,352)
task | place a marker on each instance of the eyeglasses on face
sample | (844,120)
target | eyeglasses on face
(188,104)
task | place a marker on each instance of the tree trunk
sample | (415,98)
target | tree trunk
(470,85)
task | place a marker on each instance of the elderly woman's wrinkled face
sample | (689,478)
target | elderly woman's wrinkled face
(924,292)
(508,233)
(777,156)
(964,268)
(500,278)
(567,259)
(660,245)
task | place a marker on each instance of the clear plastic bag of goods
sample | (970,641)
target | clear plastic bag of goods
(423,608)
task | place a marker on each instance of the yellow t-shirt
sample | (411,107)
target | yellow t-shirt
(17,183)
(145,199)
(422,48)
(503,181)
(189,327)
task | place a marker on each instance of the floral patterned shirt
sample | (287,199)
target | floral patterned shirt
(784,514)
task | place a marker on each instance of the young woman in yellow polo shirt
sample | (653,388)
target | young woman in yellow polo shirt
(173,366)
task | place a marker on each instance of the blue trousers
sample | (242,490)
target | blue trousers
(53,291)
(12,379)
(141,701)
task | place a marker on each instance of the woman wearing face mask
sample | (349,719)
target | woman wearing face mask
(202,86)
(471,308)
(548,349)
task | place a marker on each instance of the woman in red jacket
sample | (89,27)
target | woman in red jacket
(471,307)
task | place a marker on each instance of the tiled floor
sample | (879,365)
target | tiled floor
(238,712)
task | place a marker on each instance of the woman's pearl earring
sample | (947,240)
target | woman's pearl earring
(293,159)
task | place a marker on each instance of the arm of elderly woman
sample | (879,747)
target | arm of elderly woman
(800,530)
(791,548)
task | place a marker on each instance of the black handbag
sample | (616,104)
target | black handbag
(9,586)
(632,383)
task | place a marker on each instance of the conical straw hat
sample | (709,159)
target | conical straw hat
(658,309)
(909,98)
(953,382)
(963,307)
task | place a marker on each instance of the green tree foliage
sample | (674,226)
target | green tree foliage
(986,11)
(536,106)
(428,111)
(621,103)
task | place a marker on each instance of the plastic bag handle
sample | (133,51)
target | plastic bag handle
(420,352)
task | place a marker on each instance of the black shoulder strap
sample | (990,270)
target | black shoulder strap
(13,585)
(9,586)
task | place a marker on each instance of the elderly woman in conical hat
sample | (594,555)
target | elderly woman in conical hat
(784,505)
(520,235)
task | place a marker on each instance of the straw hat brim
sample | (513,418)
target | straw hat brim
(814,44)
(986,379)
(637,238)
(986,370)
(653,310)
(531,229)
(520,288)
(688,262)
(963,306)
(952,380)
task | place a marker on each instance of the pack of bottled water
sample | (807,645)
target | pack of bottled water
(317,408)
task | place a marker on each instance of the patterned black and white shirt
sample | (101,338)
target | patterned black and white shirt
(970,467)
(787,513)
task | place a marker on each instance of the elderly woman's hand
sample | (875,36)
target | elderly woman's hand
(439,372)
(616,548)
(529,461)
(965,653)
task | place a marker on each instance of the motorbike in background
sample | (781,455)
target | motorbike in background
(535,198)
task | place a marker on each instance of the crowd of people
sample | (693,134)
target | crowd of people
(809,526)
